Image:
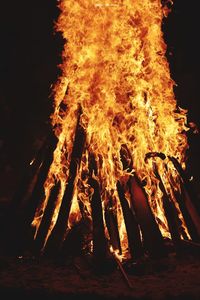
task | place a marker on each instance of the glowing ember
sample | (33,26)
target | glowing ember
(116,81)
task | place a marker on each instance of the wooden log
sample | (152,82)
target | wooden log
(15,213)
(171,214)
(58,234)
(46,219)
(189,200)
(29,177)
(131,222)
(192,211)
(38,192)
(100,245)
(130,218)
(22,235)
(190,246)
(112,225)
(132,227)
(87,221)
(188,185)
(74,243)
(122,271)
(186,215)
(152,236)
(184,197)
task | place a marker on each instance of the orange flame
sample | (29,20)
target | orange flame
(114,67)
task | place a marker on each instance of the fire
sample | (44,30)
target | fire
(116,82)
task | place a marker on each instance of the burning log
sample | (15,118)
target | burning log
(171,214)
(132,227)
(47,218)
(14,214)
(24,218)
(186,183)
(151,234)
(29,178)
(100,243)
(58,234)
(87,223)
(189,199)
(112,225)
(75,242)
(169,206)
(153,240)
(100,246)
(183,197)
(179,196)
(122,271)
(131,223)
(193,214)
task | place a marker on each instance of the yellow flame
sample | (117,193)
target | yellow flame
(115,68)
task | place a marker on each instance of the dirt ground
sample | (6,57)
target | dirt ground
(30,278)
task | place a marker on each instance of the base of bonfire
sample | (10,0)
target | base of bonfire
(158,268)
(77,275)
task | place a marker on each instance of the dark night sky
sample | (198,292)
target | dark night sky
(30,53)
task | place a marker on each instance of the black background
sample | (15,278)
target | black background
(30,52)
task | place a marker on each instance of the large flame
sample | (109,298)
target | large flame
(114,67)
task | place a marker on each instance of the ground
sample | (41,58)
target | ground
(171,278)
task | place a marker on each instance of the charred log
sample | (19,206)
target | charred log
(112,225)
(20,204)
(22,229)
(153,240)
(76,241)
(186,197)
(192,212)
(30,175)
(179,196)
(191,247)
(100,242)
(131,222)
(132,227)
(47,218)
(58,234)
(188,185)
(189,202)
(100,245)
(171,215)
